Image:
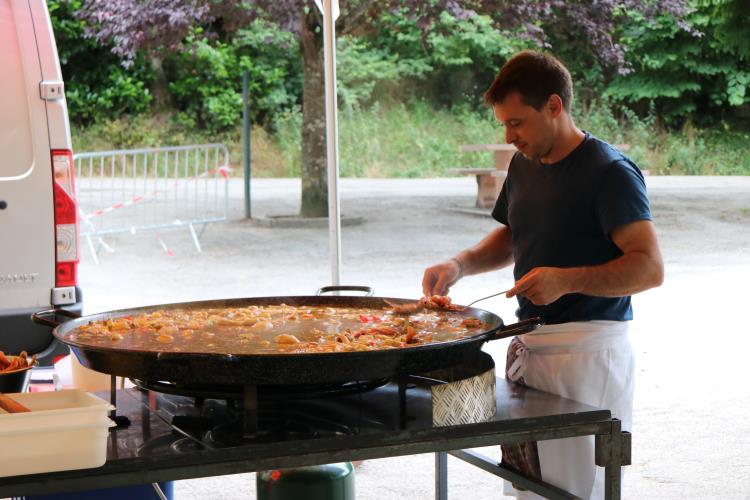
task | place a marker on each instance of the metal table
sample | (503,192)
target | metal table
(377,424)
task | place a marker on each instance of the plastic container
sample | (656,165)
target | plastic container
(64,430)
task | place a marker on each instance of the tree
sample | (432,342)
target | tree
(162,25)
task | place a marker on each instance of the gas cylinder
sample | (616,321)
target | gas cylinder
(317,482)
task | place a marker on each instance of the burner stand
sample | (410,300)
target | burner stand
(251,395)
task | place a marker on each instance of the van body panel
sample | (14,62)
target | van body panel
(27,269)
(49,62)
(15,132)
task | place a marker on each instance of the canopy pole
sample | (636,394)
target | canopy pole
(330,13)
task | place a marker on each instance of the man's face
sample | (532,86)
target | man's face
(532,132)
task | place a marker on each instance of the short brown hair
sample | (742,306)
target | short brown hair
(536,76)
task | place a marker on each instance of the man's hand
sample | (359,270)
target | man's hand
(437,280)
(541,285)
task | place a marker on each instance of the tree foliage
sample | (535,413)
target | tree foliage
(586,35)
(97,85)
(206,80)
(450,64)
(681,74)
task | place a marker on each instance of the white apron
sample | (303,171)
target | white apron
(591,362)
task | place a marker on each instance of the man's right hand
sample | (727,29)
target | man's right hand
(438,279)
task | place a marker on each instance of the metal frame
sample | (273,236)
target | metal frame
(134,190)
(612,452)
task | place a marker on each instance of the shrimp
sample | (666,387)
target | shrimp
(286,338)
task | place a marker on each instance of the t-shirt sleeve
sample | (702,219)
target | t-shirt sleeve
(500,212)
(623,198)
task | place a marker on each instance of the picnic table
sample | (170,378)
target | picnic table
(489,179)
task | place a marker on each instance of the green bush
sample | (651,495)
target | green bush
(97,86)
(361,67)
(699,76)
(205,84)
(206,81)
(116,93)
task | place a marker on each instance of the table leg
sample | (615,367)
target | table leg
(441,475)
(250,410)
(612,452)
(158,491)
(488,189)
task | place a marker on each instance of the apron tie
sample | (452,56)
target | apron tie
(518,367)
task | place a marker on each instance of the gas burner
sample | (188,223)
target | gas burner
(223,415)
(221,423)
(276,425)
(265,393)
(168,444)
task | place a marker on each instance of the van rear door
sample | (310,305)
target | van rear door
(27,265)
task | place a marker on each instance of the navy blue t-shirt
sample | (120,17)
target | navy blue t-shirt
(562,214)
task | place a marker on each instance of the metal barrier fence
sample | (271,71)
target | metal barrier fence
(151,189)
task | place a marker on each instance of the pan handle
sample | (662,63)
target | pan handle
(346,288)
(45,317)
(523,326)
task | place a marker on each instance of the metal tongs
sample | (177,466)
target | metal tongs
(485,298)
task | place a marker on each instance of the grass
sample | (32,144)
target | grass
(416,140)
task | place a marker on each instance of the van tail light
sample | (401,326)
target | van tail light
(66,219)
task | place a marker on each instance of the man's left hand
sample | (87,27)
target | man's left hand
(541,285)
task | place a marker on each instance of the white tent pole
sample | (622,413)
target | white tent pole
(330,13)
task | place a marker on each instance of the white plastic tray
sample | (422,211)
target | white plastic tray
(64,430)
(55,409)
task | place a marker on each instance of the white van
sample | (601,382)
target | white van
(38,216)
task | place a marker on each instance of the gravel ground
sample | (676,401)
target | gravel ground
(690,437)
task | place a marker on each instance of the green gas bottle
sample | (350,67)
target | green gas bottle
(317,482)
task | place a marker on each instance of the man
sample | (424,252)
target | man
(576,223)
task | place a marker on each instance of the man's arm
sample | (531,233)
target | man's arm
(493,252)
(638,269)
